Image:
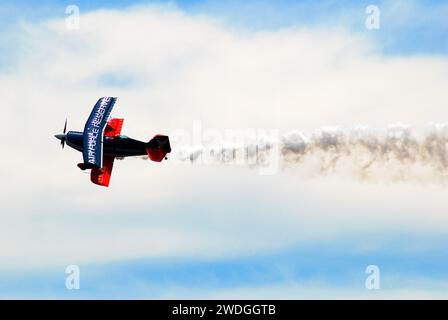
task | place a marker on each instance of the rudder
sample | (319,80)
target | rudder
(158,147)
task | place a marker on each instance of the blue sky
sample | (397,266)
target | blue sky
(407,26)
(191,232)
(333,265)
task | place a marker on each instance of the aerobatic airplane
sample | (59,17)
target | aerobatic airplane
(101,142)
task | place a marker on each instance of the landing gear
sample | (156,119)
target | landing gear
(85,166)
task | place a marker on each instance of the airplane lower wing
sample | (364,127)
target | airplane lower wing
(101,176)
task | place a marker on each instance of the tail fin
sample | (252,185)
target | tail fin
(158,147)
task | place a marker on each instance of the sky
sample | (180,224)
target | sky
(196,68)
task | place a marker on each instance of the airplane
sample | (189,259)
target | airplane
(101,142)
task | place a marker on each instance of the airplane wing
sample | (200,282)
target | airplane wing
(101,176)
(113,127)
(94,132)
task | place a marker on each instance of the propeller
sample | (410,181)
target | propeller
(63,136)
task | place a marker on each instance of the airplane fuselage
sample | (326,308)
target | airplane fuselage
(120,146)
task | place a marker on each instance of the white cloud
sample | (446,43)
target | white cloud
(184,68)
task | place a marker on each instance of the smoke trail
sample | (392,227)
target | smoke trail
(398,152)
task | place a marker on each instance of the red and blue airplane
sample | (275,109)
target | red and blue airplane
(101,142)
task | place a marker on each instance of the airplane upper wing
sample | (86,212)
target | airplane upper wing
(101,176)
(113,127)
(94,132)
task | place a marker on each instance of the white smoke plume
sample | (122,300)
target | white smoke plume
(397,152)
